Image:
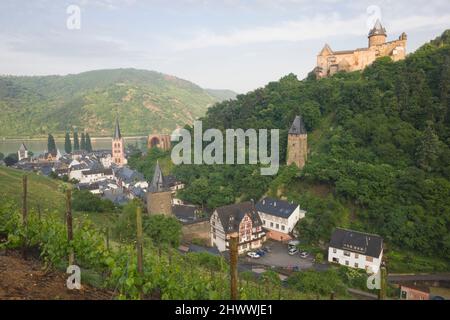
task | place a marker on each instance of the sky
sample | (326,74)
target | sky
(222,44)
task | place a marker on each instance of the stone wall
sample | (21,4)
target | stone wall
(199,230)
(297,150)
(159,203)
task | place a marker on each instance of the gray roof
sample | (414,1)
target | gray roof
(377,29)
(117,134)
(158,182)
(355,241)
(275,207)
(107,172)
(128,175)
(231,216)
(185,212)
(298,127)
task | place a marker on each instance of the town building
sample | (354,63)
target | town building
(412,292)
(330,62)
(22,154)
(356,250)
(118,147)
(279,217)
(242,219)
(297,147)
(159,195)
(96,175)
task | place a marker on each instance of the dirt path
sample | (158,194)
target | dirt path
(25,280)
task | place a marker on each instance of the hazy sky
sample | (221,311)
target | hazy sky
(229,44)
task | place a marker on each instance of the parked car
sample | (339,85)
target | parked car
(293,243)
(253,255)
(304,254)
(292,251)
(261,252)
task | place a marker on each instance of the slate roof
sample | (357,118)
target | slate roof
(298,127)
(117,134)
(107,172)
(128,175)
(355,241)
(159,183)
(231,216)
(171,181)
(377,29)
(23,147)
(276,207)
(185,212)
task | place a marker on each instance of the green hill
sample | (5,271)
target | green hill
(43,192)
(145,101)
(379,151)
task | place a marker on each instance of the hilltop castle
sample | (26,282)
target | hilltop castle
(329,62)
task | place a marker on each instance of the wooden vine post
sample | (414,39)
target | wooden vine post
(234,239)
(139,247)
(383,283)
(69,225)
(24,211)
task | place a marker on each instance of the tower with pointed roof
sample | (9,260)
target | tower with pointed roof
(377,35)
(159,196)
(297,147)
(118,147)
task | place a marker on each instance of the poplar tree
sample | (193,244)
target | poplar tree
(83,142)
(76,142)
(88,143)
(51,145)
(68,143)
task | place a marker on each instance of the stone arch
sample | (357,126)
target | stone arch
(161,141)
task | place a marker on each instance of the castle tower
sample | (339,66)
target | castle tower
(118,147)
(159,196)
(297,147)
(377,35)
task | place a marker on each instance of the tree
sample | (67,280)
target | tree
(51,145)
(76,142)
(2,156)
(87,202)
(11,159)
(163,230)
(88,143)
(83,142)
(67,143)
(428,149)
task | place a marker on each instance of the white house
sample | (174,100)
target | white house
(242,219)
(356,250)
(96,175)
(279,217)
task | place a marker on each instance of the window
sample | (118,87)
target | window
(278,226)
(271,224)
(264,222)
(356,256)
(336,260)
(282,227)
(356,265)
(346,253)
(334,250)
(403,295)
(346,262)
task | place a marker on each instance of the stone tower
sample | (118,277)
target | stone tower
(297,147)
(118,147)
(159,196)
(377,36)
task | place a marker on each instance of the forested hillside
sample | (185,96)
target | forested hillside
(145,101)
(379,145)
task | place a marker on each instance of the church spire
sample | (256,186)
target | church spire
(377,29)
(117,134)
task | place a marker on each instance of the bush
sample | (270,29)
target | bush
(87,202)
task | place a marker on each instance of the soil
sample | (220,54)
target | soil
(26,279)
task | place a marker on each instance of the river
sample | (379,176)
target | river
(39,146)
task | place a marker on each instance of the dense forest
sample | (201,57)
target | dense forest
(379,150)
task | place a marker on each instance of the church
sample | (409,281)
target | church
(330,62)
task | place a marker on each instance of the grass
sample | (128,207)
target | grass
(43,192)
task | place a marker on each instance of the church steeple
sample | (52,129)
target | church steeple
(118,147)
(117,134)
